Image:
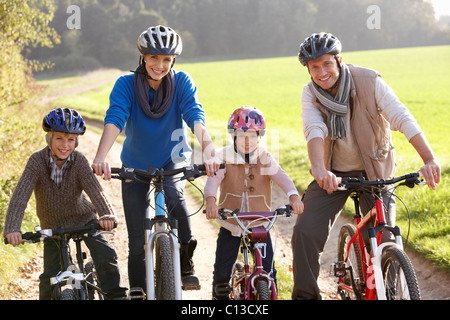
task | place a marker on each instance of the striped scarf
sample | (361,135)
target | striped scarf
(338,105)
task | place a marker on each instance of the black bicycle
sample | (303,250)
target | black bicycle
(75,281)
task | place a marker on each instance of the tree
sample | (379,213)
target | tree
(23,24)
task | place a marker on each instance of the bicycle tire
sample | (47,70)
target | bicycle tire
(354,261)
(164,269)
(68,294)
(262,290)
(395,265)
(92,278)
(237,286)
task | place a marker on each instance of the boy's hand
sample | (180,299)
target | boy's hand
(107,224)
(296,204)
(14,238)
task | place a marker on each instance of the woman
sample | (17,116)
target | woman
(153,106)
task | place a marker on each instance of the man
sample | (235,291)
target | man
(348,113)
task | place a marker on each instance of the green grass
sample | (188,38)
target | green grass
(419,77)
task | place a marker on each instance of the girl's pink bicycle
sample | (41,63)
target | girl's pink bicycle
(383,271)
(251,282)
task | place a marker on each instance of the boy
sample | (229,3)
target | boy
(245,183)
(58,175)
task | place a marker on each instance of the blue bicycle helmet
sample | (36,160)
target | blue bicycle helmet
(64,120)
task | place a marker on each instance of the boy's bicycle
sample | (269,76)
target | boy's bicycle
(162,248)
(74,281)
(253,282)
(382,271)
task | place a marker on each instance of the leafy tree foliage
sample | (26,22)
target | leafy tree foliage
(230,29)
(23,24)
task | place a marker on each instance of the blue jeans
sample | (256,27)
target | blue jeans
(134,197)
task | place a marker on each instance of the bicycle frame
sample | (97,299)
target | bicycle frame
(162,225)
(71,273)
(249,279)
(371,263)
(255,237)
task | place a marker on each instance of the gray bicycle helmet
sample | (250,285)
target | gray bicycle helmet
(64,120)
(317,45)
(160,40)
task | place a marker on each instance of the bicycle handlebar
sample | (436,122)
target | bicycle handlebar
(270,216)
(410,180)
(190,172)
(39,235)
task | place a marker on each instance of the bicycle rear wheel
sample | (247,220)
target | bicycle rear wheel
(164,269)
(399,278)
(92,280)
(237,282)
(354,262)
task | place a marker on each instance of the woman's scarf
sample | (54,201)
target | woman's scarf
(338,105)
(163,96)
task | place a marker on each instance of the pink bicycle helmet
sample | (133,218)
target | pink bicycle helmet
(247,118)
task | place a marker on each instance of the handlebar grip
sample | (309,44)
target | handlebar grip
(116,170)
(5,240)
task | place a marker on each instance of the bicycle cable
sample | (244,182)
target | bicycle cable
(392,191)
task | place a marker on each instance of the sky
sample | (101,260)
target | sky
(441,7)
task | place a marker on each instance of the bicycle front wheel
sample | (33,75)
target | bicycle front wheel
(164,269)
(399,278)
(262,290)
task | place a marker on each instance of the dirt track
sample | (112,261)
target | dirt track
(434,284)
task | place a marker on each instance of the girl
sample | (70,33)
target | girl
(246,184)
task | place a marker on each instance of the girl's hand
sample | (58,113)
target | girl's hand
(296,204)
(212,210)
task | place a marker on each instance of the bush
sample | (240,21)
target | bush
(73,62)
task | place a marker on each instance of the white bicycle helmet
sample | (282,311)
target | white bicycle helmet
(160,40)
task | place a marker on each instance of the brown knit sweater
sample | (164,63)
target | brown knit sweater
(65,206)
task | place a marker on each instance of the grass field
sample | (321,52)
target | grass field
(419,76)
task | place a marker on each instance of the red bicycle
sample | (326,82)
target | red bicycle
(383,271)
(251,282)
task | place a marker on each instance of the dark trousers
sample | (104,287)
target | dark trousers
(105,261)
(312,229)
(134,195)
(227,251)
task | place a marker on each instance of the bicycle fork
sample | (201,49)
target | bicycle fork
(160,222)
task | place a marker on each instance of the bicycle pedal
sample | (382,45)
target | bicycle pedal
(338,269)
(136,294)
(190,283)
(191,287)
